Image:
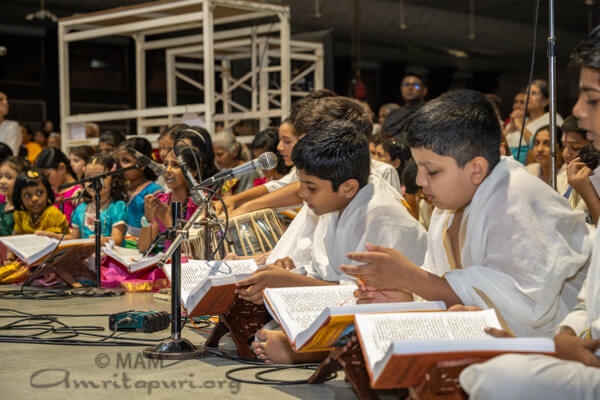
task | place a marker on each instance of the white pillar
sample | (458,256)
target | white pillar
(64,85)
(286,67)
(140,77)
(171,82)
(225,74)
(320,69)
(263,76)
(209,62)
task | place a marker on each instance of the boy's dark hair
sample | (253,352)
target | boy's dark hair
(409,177)
(301,103)
(461,124)
(113,138)
(334,152)
(571,125)
(378,139)
(587,52)
(143,146)
(202,141)
(84,152)
(30,178)
(319,113)
(5,152)
(398,150)
(118,190)
(51,157)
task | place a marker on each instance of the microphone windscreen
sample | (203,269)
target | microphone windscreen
(267,160)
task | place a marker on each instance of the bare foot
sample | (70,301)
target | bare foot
(274,348)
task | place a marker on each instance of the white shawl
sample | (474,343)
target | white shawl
(522,245)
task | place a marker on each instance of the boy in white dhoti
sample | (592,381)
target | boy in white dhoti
(496,228)
(575,374)
(334,166)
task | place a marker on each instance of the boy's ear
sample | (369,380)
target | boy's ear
(349,188)
(478,169)
(62,167)
(396,163)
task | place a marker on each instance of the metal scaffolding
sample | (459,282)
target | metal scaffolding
(209,36)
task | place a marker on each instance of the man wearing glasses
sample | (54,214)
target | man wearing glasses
(413,89)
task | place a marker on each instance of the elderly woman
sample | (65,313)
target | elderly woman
(229,153)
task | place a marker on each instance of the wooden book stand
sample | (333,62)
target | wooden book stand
(441,383)
(350,358)
(68,265)
(242,320)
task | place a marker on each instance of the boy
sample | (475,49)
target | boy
(353,208)
(574,139)
(496,230)
(310,114)
(576,375)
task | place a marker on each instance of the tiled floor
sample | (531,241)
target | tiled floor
(42,371)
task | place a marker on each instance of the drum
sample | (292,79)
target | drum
(194,247)
(254,233)
(249,234)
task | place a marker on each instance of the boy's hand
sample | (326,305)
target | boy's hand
(48,234)
(365,296)
(570,347)
(103,239)
(285,263)
(462,307)
(150,207)
(578,176)
(383,268)
(500,333)
(250,289)
(229,203)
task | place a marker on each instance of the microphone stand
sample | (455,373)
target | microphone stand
(175,347)
(552,82)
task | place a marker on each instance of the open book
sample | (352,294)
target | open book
(130,259)
(34,249)
(400,349)
(317,318)
(207,287)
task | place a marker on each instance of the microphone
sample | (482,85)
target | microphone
(145,161)
(197,195)
(265,161)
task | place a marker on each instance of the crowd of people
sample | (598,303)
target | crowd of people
(434,200)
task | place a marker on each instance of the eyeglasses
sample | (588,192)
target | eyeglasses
(411,84)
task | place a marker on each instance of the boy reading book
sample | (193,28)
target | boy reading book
(496,229)
(353,207)
(575,374)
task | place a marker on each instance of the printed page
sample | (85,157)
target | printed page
(195,273)
(133,259)
(379,331)
(298,307)
(29,248)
